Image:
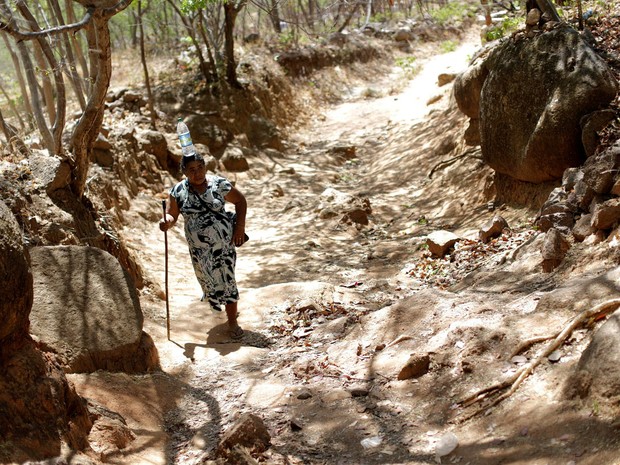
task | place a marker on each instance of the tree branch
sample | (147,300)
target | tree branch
(31,35)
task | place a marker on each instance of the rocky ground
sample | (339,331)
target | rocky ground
(360,347)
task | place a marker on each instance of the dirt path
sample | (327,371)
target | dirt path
(332,310)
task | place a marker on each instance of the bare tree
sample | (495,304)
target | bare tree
(95,21)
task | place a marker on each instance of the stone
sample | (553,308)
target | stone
(417,365)
(597,374)
(402,35)
(234,160)
(606,214)
(102,143)
(440,242)
(600,171)
(554,249)
(16,274)
(155,143)
(467,88)
(86,309)
(570,177)
(533,100)
(50,172)
(583,227)
(472,133)
(583,195)
(445,78)
(344,152)
(493,228)
(591,124)
(533,16)
(249,432)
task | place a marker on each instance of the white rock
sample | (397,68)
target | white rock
(447,443)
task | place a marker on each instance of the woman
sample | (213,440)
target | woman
(211,232)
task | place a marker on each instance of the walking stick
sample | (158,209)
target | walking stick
(163,204)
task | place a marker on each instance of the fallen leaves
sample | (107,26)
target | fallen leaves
(466,257)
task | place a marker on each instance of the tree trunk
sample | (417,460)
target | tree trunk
(87,128)
(230,15)
(13,107)
(147,81)
(20,78)
(274,16)
(12,139)
(77,49)
(57,113)
(70,63)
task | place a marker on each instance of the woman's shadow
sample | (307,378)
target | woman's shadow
(219,338)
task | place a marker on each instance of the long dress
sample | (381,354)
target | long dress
(209,231)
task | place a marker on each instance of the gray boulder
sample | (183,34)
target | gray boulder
(533,100)
(87,311)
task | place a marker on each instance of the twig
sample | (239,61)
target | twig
(445,163)
(517,378)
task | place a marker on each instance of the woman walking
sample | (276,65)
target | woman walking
(212,233)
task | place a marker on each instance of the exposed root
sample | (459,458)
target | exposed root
(401,338)
(514,381)
(529,343)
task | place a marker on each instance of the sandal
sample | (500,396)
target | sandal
(236,332)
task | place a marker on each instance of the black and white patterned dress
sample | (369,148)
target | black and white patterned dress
(209,231)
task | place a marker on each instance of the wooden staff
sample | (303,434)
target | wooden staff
(163,204)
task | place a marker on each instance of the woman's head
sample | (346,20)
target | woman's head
(187,159)
(194,168)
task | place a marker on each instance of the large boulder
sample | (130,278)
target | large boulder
(533,99)
(87,311)
(597,376)
(39,409)
(15,283)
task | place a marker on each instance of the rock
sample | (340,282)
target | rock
(606,214)
(554,356)
(263,133)
(440,242)
(41,411)
(445,78)
(533,17)
(304,394)
(582,195)
(447,443)
(583,228)
(102,143)
(472,133)
(234,160)
(590,126)
(359,392)
(344,152)
(467,89)
(249,432)
(87,311)
(417,365)
(402,35)
(211,135)
(570,177)
(154,142)
(492,229)
(601,171)
(16,274)
(532,102)
(50,172)
(597,374)
(554,249)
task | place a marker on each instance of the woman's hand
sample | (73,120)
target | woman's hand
(238,235)
(168,223)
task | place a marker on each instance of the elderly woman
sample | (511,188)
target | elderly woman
(211,232)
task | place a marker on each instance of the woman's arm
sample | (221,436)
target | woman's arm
(241,206)
(172,214)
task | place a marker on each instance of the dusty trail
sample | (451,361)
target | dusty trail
(208,379)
